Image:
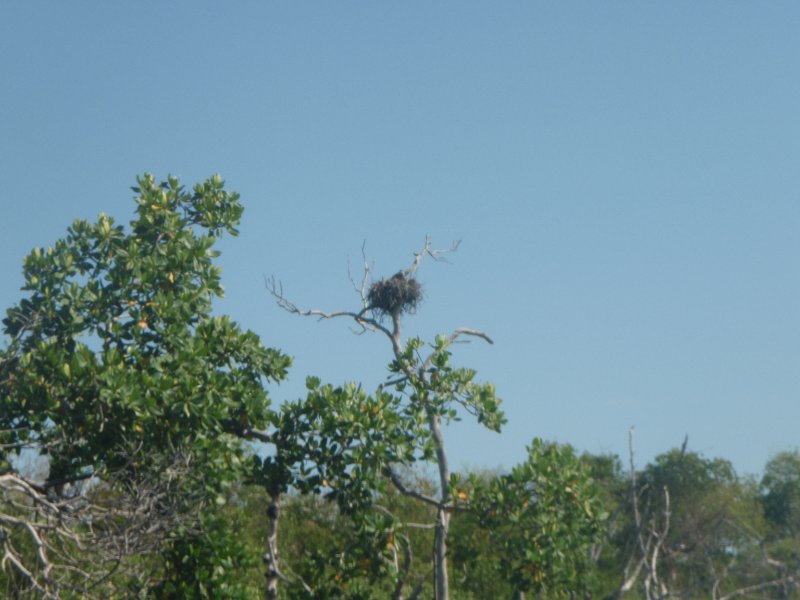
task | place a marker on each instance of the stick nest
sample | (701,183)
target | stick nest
(394,296)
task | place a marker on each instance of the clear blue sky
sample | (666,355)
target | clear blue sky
(625,178)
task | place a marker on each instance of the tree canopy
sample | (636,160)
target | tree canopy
(140,406)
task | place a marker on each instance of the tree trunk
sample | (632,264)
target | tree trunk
(271,556)
(440,555)
(441,584)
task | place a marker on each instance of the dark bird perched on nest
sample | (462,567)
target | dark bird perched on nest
(396,295)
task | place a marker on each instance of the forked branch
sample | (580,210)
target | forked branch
(439,255)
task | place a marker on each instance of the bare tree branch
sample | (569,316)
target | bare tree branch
(275,288)
(436,255)
(258,435)
(361,288)
(649,542)
(790,579)
(73,542)
(398,483)
(465,331)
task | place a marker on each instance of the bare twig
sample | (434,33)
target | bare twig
(75,541)
(436,255)
(276,289)
(406,524)
(361,288)
(649,543)
(465,331)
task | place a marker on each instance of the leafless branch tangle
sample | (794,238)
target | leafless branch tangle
(73,540)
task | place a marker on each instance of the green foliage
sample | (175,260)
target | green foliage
(712,515)
(208,565)
(114,347)
(541,520)
(115,339)
(711,535)
(780,489)
(612,551)
(115,367)
(337,440)
(433,383)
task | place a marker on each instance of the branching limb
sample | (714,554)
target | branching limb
(258,435)
(786,580)
(74,543)
(365,322)
(436,255)
(660,537)
(453,338)
(403,489)
(466,331)
(393,382)
(361,287)
(405,570)
(781,581)
(405,524)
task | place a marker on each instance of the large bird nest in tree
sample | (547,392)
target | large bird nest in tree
(394,296)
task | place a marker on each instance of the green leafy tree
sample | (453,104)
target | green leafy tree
(691,527)
(357,455)
(428,392)
(114,347)
(780,488)
(336,442)
(540,521)
(779,496)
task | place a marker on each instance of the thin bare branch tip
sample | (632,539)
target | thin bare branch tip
(361,288)
(437,255)
(467,331)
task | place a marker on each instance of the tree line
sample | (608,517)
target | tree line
(141,456)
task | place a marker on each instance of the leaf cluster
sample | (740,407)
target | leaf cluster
(114,362)
(540,519)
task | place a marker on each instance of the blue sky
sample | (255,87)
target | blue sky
(624,177)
